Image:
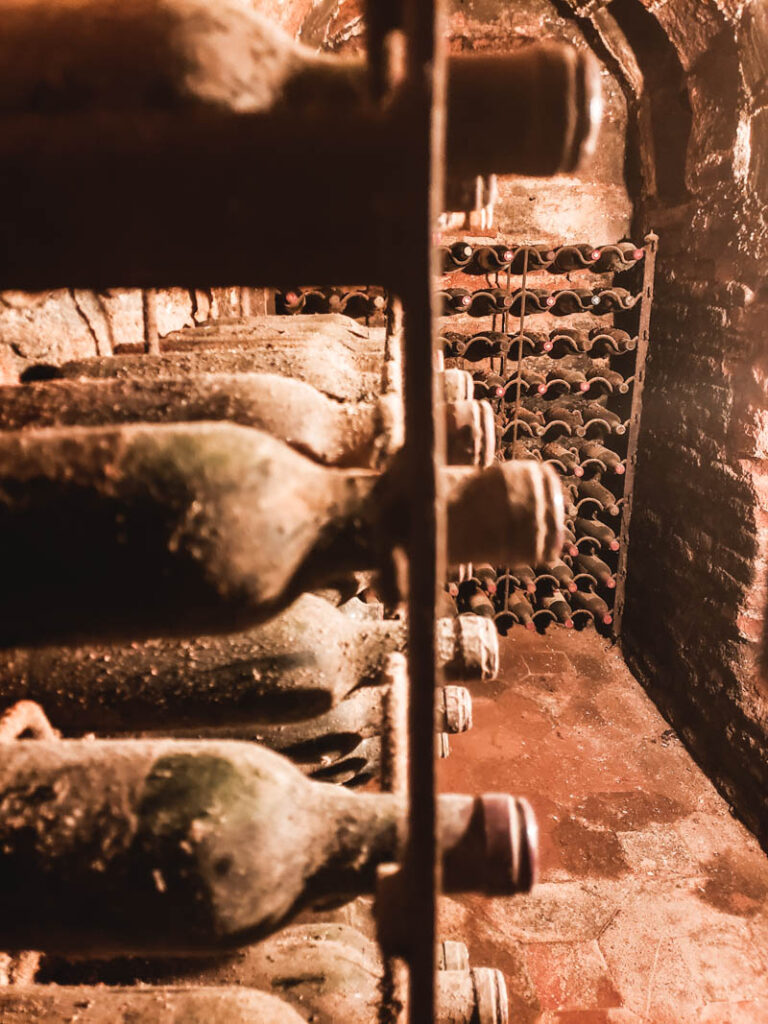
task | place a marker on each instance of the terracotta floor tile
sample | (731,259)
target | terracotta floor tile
(749,1012)
(653,904)
(570,976)
(618,1015)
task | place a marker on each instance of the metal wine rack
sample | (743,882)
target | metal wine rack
(246,169)
(555,389)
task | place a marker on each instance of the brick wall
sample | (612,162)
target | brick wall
(696,595)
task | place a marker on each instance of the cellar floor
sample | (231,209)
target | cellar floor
(652,903)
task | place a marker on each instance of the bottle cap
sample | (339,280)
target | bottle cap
(491,999)
(476,645)
(452,956)
(456,709)
(489,843)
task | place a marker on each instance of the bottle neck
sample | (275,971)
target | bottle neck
(350,539)
(359,832)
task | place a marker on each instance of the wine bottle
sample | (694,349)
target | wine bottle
(290,301)
(340,434)
(488,384)
(525,577)
(617,257)
(533,417)
(609,341)
(453,300)
(472,598)
(574,257)
(330,973)
(520,607)
(594,415)
(613,300)
(452,956)
(54,1004)
(296,665)
(564,413)
(324,740)
(593,489)
(489,302)
(470,433)
(144,531)
(569,542)
(557,452)
(602,533)
(487,576)
(538,256)
(334,331)
(593,603)
(531,381)
(490,258)
(564,342)
(597,569)
(555,602)
(563,380)
(604,381)
(344,379)
(138,846)
(520,450)
(457,385)
(609,458)
(455,256)
(563,574)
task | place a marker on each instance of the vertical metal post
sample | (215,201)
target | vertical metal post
(425,454)
(149,313)
(643,337)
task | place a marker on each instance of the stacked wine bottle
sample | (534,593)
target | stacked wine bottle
(562,392)
(368,303)
(190,578)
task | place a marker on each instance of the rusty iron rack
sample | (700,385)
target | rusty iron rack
(644,337)
(512,339)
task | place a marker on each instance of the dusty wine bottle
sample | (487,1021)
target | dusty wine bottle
(556,603)
(330,332)
(472,598)
(343,373)
(138,846)
(297,665)
(333,433)
(326,738)
(597,569)
(490,258)
(591,602)
(569,460)
(610,459)
(603,534)
(621,256)
(574,257)
(138,531)
(563,574)
(594,490)
(455,256)
(54,1004)
(518,604)
(453,300)
(470,433)
(330,973)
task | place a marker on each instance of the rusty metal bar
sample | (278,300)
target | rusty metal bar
(643,338)
(425,454)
